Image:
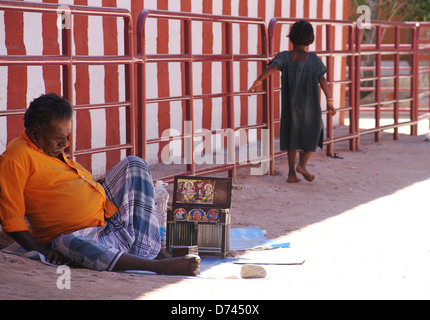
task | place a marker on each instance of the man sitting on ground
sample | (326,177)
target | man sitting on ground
(109,225)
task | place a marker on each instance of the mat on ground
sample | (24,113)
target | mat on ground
(250,239)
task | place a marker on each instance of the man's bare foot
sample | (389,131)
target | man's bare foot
(163,254)
(308,177)
(188,265)
(292,179)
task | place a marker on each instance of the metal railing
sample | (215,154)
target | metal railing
(378,51)
(353,50)
(188,58)
(67,60)
(353,75)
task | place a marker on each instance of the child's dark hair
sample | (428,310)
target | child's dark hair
(302,33)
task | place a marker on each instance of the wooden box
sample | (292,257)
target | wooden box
(200,215)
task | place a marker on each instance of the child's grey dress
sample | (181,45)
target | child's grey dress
(301,123)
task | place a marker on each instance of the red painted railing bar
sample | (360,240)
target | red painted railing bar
(135,85)
(187,57)
(67,60)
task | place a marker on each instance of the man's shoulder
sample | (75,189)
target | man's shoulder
(17,150)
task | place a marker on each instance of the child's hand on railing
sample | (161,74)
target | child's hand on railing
(330,107)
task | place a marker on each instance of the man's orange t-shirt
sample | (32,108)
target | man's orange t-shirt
(56,197)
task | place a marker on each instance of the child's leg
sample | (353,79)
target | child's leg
(292,177)
(301,167)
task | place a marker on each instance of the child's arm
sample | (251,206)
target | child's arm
(266,73)
(324,86)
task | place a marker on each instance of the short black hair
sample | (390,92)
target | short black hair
(46,108)
(302,33)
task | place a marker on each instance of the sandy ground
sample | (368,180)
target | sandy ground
(361,226)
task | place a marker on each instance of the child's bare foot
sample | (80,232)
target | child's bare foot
(292,178)
(302,170)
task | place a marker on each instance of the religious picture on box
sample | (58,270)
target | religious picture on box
(195,191)
(180,214)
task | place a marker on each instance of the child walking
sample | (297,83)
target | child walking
(301,123)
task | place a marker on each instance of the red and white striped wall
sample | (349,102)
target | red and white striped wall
(28,33)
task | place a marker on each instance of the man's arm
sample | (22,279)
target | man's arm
(27,241)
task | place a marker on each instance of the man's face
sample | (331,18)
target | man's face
(54,138)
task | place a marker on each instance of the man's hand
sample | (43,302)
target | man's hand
(54,257)
(26,240)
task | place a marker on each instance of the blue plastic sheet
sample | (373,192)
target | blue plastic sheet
(252,238)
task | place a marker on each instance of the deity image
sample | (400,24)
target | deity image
(189,192)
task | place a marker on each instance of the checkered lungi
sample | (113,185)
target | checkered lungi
(133,228)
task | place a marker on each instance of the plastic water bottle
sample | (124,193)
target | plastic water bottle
(161,197)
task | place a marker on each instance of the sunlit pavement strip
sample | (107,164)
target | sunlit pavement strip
(380,249)
(377,250)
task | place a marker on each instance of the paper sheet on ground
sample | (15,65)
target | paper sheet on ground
(272,257)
